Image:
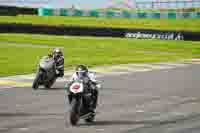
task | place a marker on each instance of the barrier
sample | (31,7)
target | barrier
(122,14)
(101,32)
(13,11)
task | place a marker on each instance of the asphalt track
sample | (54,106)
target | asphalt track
(166,101)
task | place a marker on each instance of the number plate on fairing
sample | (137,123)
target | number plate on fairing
(76,88)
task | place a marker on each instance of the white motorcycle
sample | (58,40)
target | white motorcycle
(46,74)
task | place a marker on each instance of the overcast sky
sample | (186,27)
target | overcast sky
(63,3)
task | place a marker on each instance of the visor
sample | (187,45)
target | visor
(81,74)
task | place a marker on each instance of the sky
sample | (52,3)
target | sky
(62,3)
(81,4)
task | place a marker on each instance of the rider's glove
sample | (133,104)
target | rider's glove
(98,86)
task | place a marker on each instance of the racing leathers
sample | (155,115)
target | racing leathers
(59,66)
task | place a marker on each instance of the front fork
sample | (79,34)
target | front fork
(76,97)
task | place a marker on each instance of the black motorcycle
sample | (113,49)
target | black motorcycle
(46,74)
(80,99)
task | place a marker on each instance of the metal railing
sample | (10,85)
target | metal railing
(167,4)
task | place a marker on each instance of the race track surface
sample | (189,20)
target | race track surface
(166,101)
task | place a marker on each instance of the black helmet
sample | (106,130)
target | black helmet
(81,71)
(57,52)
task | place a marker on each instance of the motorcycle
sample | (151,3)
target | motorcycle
(46,73)
(80,99)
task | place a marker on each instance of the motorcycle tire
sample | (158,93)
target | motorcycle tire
(90,119)
(35,85)
(74,112)
(48,85)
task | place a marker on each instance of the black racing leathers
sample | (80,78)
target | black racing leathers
(60,66)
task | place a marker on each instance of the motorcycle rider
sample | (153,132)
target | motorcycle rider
(81,73)
(58,57)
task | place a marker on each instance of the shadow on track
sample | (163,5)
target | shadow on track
(52,89)
(143,122)
(22,114)
(109,123)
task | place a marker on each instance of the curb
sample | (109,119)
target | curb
(26,80)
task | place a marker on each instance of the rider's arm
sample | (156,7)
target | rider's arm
(70,81)
(60,63)
(73,77)
(92,77)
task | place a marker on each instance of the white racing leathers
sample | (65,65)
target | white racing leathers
(90,75)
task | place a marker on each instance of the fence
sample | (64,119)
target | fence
(122,14)
(167,4)
(13,11)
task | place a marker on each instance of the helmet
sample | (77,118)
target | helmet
(81,71)
(57,52)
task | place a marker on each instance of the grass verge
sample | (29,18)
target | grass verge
(159,24)
(18,60)
(89,50)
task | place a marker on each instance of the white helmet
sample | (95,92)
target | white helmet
(57,52)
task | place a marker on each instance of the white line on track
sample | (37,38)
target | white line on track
(26,80)
(23,129)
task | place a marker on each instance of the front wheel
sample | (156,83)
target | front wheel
(74,112)
(36,81)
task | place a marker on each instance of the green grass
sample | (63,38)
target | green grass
(89,50)
(161,24)
(18,60)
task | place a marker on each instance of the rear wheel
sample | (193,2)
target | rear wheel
(90,119)
(49,84)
